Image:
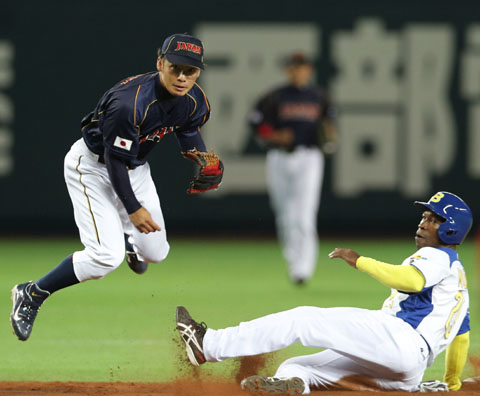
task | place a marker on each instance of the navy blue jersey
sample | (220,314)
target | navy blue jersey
(301,109)
(137,113)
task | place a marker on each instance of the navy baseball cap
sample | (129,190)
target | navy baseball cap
(297,59)
(183,49)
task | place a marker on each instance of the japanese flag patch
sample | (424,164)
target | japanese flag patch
(122,143)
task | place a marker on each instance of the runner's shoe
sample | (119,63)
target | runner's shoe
(192,334)
(287,386)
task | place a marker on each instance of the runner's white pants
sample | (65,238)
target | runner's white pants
(358,342)
(294,182)
(102,219)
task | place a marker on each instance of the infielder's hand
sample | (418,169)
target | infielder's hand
(349,255)
(143,221)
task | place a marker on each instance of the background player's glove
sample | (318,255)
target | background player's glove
(210,170)
(433,386)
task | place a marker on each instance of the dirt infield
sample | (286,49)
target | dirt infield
(196,383)
(176,388)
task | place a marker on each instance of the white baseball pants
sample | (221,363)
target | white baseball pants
(369,345)
(294,182)
(102,219)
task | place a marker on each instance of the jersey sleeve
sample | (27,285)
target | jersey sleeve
(432,263)
(191,140)
(465,326)
(117,170)
(328,110)
(263,117)
(399,277)
(120,134)
(455,359)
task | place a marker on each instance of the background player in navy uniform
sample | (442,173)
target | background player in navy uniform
(294,121)
(427,312)
(116,206)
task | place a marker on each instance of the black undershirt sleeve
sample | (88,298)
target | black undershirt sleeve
(117,170)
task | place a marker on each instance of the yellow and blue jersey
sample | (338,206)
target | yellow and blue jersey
(440,311)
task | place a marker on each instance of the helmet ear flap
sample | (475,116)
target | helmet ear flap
(447,234)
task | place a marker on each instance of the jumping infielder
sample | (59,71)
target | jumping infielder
(426,313)
(294,121)
(108,176)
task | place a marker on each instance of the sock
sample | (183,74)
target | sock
(60,277)
(128,245)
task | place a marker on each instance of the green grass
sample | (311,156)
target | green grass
(121,328)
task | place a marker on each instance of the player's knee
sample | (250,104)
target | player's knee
(158,254)
(103,262)
(303,312)
(110,259)
(302,317)
(87,268)
(307,226)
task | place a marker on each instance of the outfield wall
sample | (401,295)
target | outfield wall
(405,77)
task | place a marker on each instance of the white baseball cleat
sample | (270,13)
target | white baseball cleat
(433,386)
(287,386)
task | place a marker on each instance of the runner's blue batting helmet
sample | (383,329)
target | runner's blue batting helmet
(458,216)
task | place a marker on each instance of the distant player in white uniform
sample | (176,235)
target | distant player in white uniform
(296,122)
(390,348)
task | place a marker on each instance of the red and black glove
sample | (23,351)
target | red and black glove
(209,174)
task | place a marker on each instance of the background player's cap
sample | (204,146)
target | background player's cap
(183,49)
(297,59)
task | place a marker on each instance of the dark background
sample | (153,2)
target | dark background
(68,53)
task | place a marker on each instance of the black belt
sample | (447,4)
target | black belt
(95,156)
(293,148)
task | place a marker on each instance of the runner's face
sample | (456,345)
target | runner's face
(177,79)
(427,235)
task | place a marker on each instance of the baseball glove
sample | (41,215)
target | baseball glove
(210,171)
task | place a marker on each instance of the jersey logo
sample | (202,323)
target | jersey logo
(129,79)
(124,144)
(300,111)
(412,259)
(437,197)
(181,45)
(157,135)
